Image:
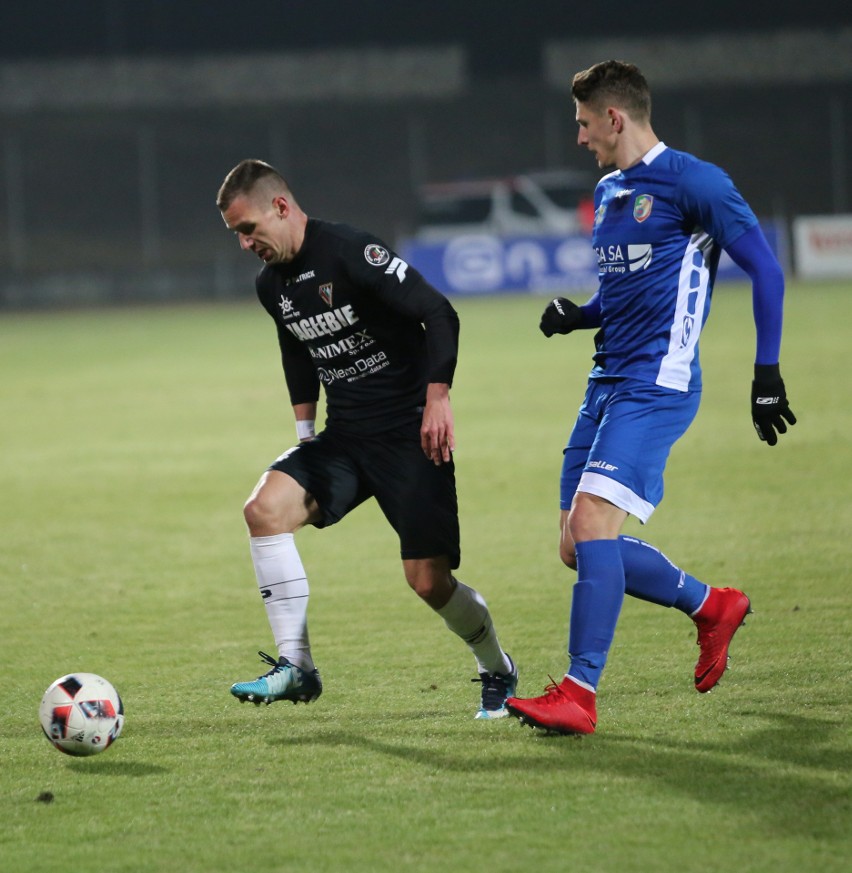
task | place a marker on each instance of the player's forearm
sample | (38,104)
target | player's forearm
(437,392)
(432,309)
(442,343)
(303,383)
(751,253)
(591,311)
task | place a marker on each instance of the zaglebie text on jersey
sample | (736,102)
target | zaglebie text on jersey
(323,324)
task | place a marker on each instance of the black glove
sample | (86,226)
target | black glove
(560,316)
(769,405)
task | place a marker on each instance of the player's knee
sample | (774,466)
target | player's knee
(263,516)
(421,586)
(593,518)
(278,505)
(568,554)
(255,513)
(580,525)
(421,583)
(430,580)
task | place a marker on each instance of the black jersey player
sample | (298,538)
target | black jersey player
(358,320)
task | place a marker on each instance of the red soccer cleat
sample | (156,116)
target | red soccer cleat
(723,612)
(567,708)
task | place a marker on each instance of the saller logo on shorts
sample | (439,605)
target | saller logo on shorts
(601,465)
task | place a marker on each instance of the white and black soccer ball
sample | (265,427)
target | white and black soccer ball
(81,714)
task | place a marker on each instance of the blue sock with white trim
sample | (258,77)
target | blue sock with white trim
(650,575)
(595,607)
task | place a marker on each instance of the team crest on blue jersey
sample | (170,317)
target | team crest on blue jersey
(325,293)
(642,206)
(376,255)
(599,214)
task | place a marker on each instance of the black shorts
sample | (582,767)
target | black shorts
(417,497)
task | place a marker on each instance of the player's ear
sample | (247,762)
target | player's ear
(281,205)
(615,118)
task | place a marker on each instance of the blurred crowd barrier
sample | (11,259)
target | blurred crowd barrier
(474,264)
(109,169)
(823,246)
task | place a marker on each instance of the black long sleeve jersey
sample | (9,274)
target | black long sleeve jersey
(357,318)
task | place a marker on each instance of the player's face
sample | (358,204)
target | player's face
(597,134)
(262,227)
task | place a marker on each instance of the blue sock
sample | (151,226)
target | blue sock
(650,575)
(595,606)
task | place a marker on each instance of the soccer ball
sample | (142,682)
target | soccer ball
(81,714)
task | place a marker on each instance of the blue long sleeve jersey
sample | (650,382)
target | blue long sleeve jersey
(659,229)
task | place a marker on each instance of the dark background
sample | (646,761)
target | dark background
(114,203)
(502,37)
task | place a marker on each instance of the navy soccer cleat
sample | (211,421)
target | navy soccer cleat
(496,688)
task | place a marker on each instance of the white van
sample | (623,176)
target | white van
(543,203)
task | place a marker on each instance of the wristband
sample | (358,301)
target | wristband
(305,429)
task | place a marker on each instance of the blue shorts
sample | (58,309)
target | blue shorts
(621,441)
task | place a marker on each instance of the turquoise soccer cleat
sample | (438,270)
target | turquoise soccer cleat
(285,681)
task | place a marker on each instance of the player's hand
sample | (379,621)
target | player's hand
(560,316)
(769,407)
(437,438)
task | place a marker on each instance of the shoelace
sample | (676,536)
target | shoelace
(552,690)
(276,666)
(494,689)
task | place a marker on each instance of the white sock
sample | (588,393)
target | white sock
(284,588)
(466,614)
(582,684)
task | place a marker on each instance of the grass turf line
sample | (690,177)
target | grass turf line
(130,439)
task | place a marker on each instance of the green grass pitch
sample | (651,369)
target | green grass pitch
(129,441)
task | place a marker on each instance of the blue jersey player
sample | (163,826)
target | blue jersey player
(662,218)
